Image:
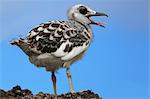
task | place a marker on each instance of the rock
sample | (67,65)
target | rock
(18,93)
(3,93)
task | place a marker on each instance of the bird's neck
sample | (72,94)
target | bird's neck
(83,27)
(87,27)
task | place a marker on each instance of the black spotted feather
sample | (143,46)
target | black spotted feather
(48,37)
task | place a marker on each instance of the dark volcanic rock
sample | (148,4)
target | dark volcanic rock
(18,93)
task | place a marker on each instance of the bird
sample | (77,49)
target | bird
(58,44)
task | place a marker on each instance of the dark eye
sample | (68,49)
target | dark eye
(83,10)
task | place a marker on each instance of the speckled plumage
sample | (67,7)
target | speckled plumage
(62,40)
(56,44)
(49,37)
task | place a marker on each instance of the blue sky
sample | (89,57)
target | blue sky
(115,66)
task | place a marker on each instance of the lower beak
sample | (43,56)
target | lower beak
(97,14)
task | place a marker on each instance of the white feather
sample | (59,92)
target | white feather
(32,33)
(38,37)
(60,52)
(46,31)
(75,51)
(40,29)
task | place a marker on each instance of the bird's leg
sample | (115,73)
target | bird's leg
(70,79)
(54,82)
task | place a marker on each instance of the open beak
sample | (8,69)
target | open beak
(97,14)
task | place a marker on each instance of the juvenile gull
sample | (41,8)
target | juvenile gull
(58,44)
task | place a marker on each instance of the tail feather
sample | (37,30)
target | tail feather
(23,45)
(14,42)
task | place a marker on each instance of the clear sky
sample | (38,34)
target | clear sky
(115,66)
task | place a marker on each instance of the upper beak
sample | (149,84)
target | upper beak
(101,14)
(96,14)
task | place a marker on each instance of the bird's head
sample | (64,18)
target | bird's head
(82,13)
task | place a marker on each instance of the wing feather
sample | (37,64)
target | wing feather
(59,39)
